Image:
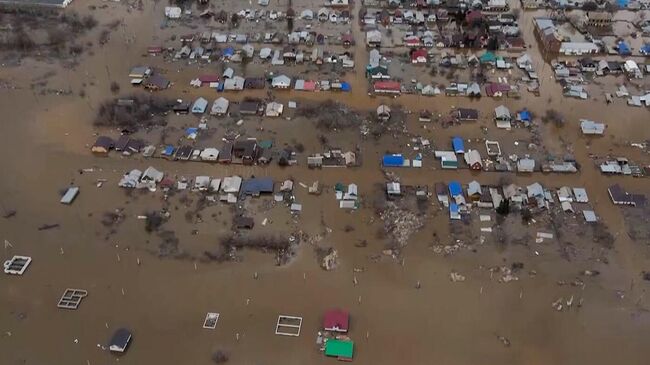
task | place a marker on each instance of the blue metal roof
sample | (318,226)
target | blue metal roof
(257,185)
(458,144)
(645,49)
(346,86)
(524,115)
(394,160)
(453,208)
(455,188)
(169,150)
(623,48)
(229,51)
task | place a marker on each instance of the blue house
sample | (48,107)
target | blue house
(455,189)
(393,160)
(624,49)
(458,145)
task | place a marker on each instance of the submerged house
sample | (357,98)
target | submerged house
(102,145)
(199,106)
(120,340)
(473,160)
(502,117)
(336,320)
(441,194)
(257,186)
(245,151)
(448,159)
(220,106)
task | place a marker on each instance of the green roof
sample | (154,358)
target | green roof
(339,187)
(265,144)
(488,57)
(339,348)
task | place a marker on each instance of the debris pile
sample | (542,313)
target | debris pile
(399,223)
(456,277)
(330,261)
(506,273)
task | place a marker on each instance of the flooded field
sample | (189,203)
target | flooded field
(449,293)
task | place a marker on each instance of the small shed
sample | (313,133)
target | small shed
(102,145)
(120,340)
(383,112)
(458,145)
(590,216)
(393,188)
(441,194)
(580,195)
(70,195)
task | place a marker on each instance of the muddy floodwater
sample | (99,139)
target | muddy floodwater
(404,307)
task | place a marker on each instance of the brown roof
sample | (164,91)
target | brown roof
(244,222)
(249,107)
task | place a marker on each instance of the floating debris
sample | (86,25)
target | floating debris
(456,277)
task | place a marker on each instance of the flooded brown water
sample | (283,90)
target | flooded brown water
(45,138)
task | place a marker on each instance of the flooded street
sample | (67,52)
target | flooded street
(46,141)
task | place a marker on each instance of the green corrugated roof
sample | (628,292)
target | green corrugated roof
(265,144)
(339,348)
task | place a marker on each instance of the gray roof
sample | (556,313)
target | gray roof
(220,106)
(120,340)
(474,188)
(501,112)
(590,216)
(591,127)
(525,164)
(199,105)
(535,190)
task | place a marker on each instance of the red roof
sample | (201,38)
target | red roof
(155,49)
(418,54)
(209,78)
(493,88)
(387,85)
(336,320)
(473,16)
(414,41)
(310,85)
